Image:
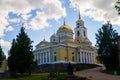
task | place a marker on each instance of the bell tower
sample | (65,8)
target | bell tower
(80,30)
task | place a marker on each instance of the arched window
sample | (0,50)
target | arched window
(84,33)
(78,33)
(77,25)
(53,40)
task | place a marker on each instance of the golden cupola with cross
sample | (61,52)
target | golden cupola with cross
(65,33)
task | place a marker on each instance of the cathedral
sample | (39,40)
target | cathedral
(64,48)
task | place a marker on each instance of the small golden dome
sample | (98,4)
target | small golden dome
(65,28)
(81,22)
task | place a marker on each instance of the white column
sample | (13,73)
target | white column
(80,57)
(35,56)
(83,57)
(91,59)
(38,58)
(46,57)
(77,57)
(43,57)
(86,57)
(49,57)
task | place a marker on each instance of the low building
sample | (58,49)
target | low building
(4,64)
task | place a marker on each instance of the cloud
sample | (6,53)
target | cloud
(21,11)
(9,28)
(45,10)
(5,43)
(98,10)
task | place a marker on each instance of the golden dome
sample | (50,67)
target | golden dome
(65,28)
(81,22)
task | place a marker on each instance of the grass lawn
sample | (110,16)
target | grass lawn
(37,76)
(44,76)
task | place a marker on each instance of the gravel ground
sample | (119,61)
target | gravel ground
(95,74)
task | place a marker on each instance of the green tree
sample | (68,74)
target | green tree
(1,56)
(12,58)
(107,47)
(21,55)
(117,6)
(24,51)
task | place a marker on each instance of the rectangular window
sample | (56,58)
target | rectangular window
(73,59)
(84,33)
(55,57)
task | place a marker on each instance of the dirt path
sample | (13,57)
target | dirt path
(95,74)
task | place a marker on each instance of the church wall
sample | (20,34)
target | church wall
(53,51)
(63,54)
(71,53)
(66,53)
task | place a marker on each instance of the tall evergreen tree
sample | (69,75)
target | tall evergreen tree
(24,51)
(21,56)
(12,58)
(1,56)
(107,47)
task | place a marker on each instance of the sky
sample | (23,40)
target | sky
(42,18)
